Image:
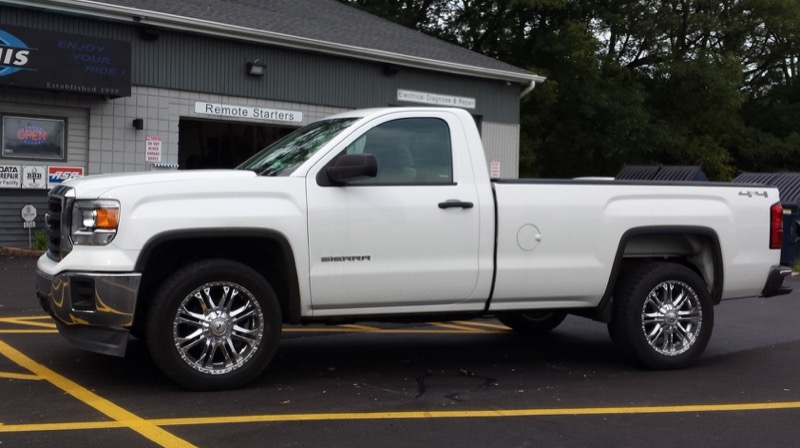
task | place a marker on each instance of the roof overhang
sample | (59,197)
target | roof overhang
(169,21)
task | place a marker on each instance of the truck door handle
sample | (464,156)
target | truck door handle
(454,203)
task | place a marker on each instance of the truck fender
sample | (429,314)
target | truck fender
(267,251)
(670,242)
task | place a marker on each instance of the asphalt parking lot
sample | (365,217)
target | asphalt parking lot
(468,384)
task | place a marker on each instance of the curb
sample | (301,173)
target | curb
(19,252)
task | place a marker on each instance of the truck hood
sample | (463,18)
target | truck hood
(91,187)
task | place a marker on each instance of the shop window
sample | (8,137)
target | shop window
(29,137)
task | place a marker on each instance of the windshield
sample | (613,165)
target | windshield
(284,156)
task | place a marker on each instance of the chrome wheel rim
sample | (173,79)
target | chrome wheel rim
(671,318)
(218,328)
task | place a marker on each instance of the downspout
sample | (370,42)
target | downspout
(528,89)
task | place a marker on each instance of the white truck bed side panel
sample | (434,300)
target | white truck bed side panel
(557,242)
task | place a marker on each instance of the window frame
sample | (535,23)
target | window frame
(363,147)
(60,121)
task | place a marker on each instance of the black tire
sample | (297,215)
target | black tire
(532,322)
(663,316)
(203,342)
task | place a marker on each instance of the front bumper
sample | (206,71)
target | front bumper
(774,285)
(93,311)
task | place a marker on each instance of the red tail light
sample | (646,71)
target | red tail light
(776,226)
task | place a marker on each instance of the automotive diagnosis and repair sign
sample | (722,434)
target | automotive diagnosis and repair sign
(10,176)
(64,62)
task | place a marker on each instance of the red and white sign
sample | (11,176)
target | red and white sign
(494,170)
(28,212)
(58,174)
(152,148)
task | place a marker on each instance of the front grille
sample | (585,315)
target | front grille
(56,220)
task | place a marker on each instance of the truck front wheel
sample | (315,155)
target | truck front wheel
(214,324)
(663,315)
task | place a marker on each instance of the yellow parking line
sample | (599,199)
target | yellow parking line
(19,376)
(69,426)
(337,329)
(462,328)
(495,413)
(28,331)
(27,321)
(126,418)
(364,328)
(500,327)
(547,412)
(452,329)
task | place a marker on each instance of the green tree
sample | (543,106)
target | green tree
(708,82)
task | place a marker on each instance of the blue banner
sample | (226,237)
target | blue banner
(64,62)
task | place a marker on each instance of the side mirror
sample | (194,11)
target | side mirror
(352,167)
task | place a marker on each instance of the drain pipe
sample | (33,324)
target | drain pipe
(531,86)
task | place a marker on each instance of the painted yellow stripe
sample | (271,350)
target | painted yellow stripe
(337,329)
(70,426)
(28,331)
(460,330)
(128,419)
(36,317)
(496,413)
(364,328)
(481,413)
(458,327)
(19,376)
(484,325)
(28,322)
(444,328)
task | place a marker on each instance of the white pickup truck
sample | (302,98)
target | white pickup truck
(390,214)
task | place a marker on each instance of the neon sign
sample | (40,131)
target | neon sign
(32,135)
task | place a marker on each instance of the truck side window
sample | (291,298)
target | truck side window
(408,151)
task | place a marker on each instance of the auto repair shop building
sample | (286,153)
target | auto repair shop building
(138,85)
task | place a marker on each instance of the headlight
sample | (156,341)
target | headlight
(94,223)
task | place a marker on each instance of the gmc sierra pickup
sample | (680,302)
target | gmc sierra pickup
(390,214)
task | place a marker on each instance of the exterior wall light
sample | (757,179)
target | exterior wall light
(138,124)
(256,68)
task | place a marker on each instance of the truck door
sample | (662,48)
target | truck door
(395,240)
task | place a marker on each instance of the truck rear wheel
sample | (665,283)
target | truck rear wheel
(663,315)
(213,325)
(532,322)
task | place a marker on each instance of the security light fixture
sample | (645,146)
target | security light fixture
(256,68)
(138,124)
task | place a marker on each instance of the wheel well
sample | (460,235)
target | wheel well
(268,254)
(694,247)
(695,251)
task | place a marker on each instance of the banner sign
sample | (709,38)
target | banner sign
(252,113)
(64,62)
(60,174)
(435,99)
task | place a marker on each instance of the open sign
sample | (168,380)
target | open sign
(32,135)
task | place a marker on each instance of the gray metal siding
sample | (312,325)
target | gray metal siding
(12,234)
(188,62)
(12,199)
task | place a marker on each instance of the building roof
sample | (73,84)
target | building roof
(325,26)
